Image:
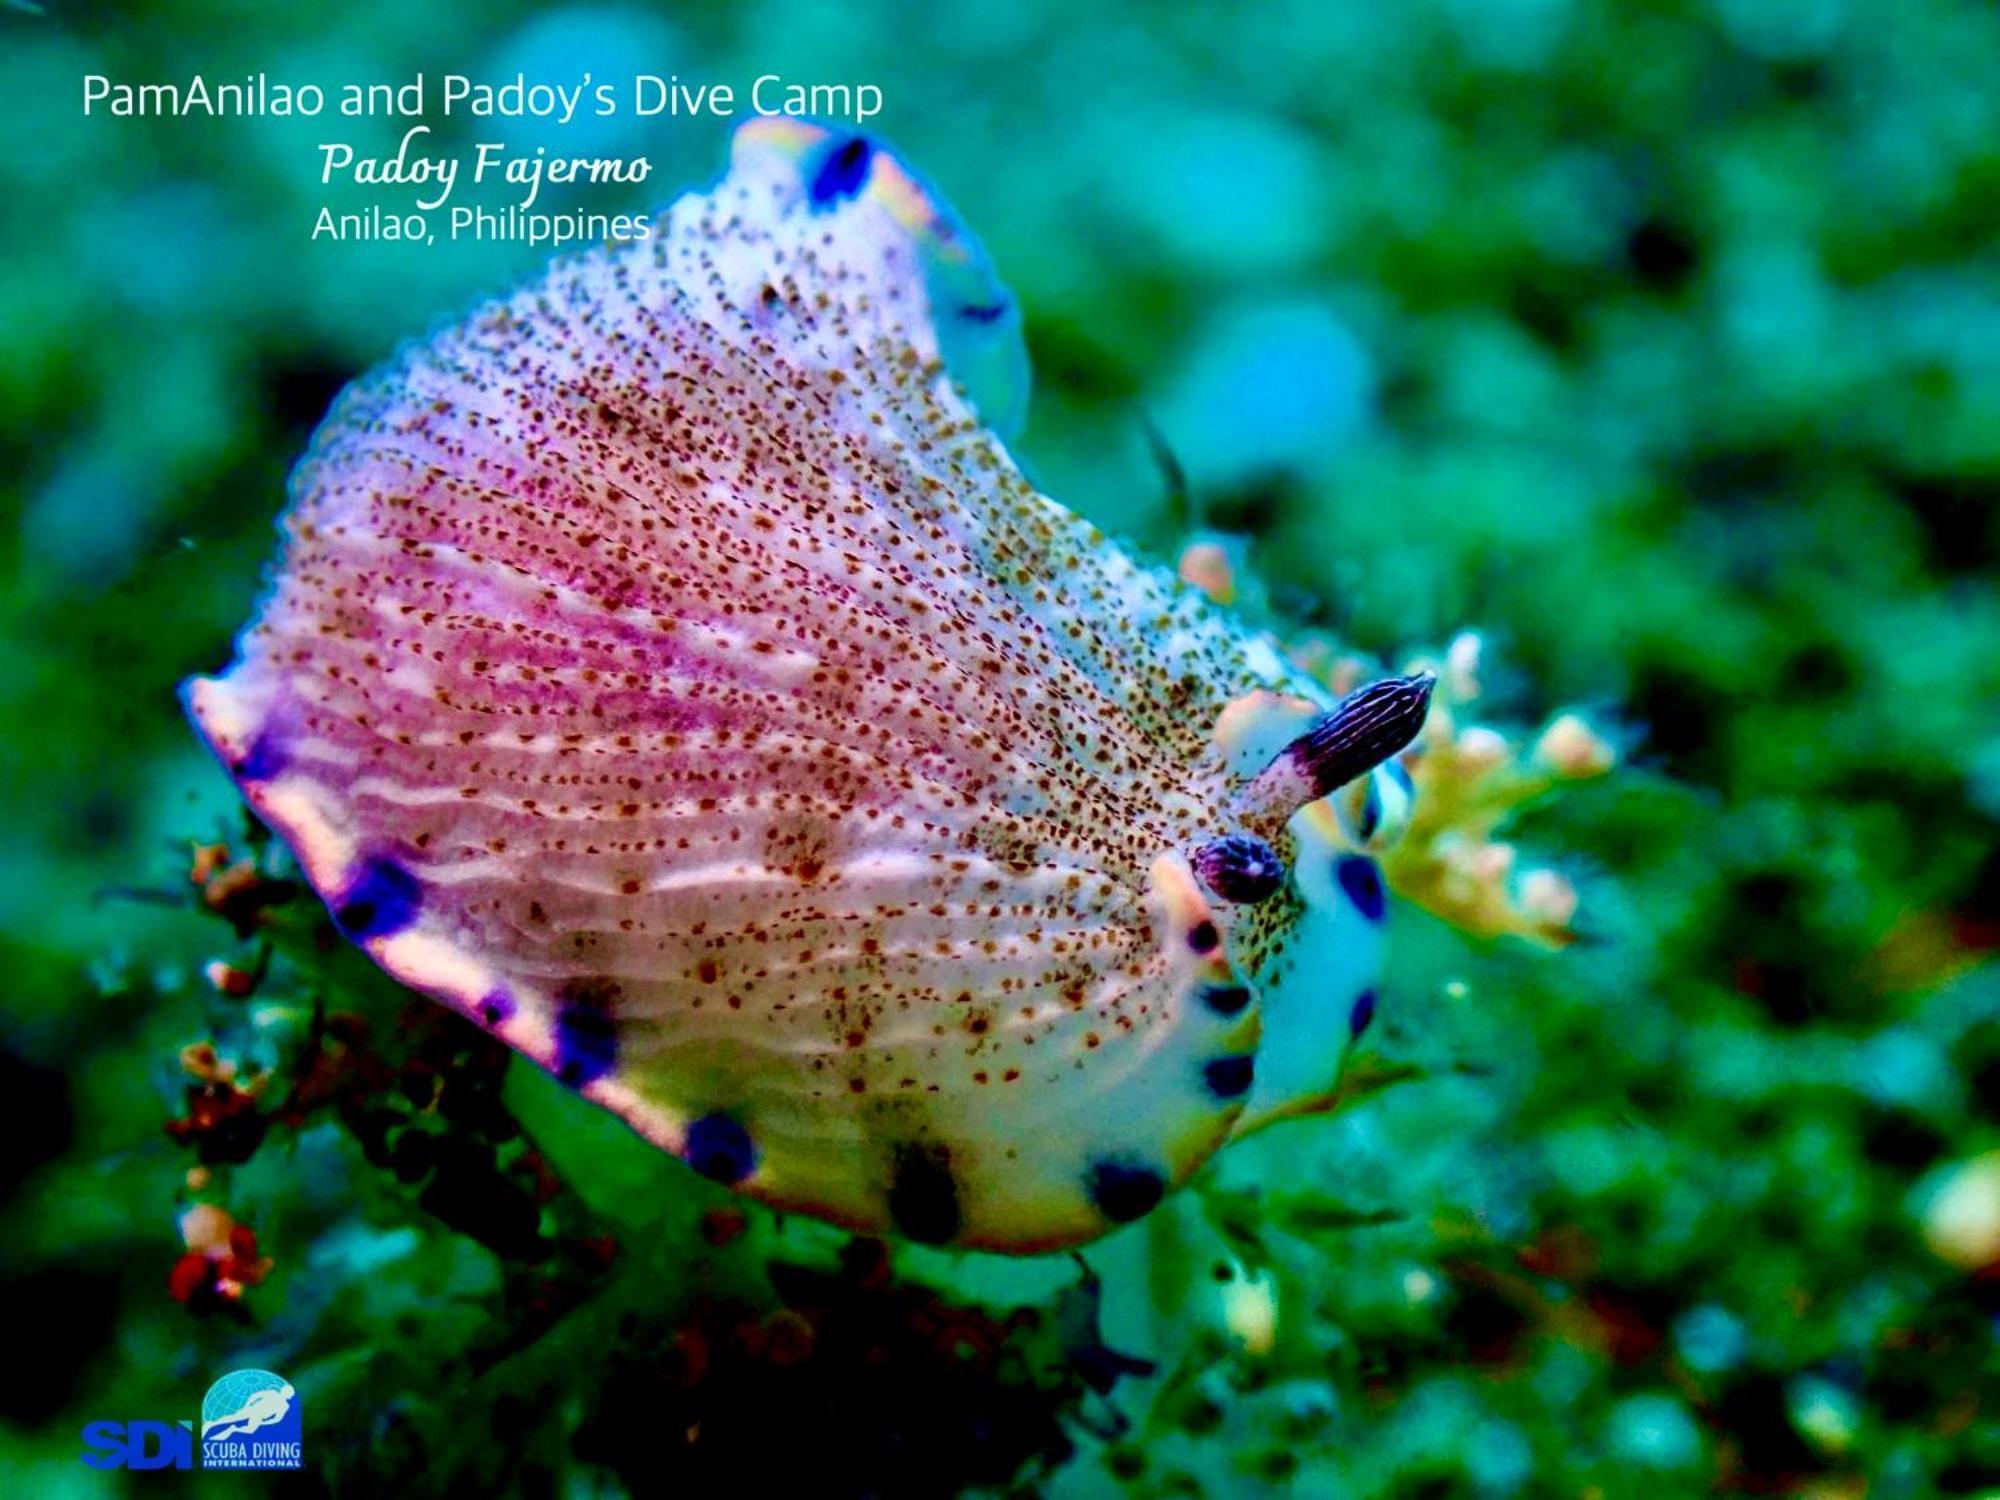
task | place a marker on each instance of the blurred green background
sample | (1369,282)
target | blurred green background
(1660,342)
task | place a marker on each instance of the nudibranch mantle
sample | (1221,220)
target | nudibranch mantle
(668,669)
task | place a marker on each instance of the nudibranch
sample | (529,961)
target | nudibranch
(668,668)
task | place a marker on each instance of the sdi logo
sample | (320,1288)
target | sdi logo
(138,1445)
(249,1420)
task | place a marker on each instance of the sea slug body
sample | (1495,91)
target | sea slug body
(669,669)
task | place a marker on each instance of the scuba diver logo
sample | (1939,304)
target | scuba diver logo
(250,1420)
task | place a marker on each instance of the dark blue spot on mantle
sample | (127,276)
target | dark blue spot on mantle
(983,312)
(586,1031)
(1362,881)
(1225,999)
(842,173)
(720,1149)
(1123,1193)
(265,758)
(381,899)
(923,1196)
(497,1008)
(1362,1014)
(1229,1077)
(1371,811)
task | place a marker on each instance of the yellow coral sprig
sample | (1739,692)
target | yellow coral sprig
(1470,778)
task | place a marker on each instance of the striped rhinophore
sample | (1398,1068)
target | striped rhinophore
(668,669)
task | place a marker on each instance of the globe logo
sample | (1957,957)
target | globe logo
(250,1420)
